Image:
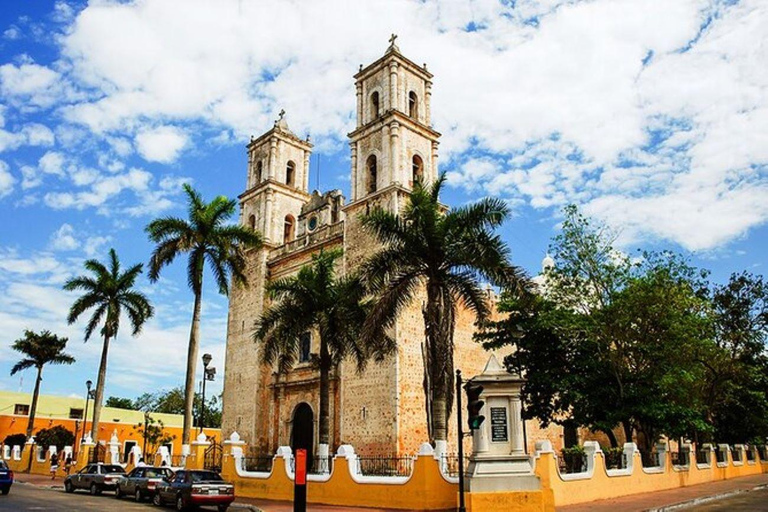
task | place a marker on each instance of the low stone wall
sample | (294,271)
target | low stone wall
(426,488)
(598,483)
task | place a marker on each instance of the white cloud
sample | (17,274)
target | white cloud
(6,180)
(161,144)
(32,84)
(63,239)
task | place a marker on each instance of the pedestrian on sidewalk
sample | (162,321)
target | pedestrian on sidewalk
(54,465)
(68,464)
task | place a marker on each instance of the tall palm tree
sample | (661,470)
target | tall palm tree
(39,350)
(333,308)
(108,292)
(448,253)
(206,237)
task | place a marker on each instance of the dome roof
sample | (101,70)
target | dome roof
(547,262)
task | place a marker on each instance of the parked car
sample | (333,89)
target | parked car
(141,482)
(6,477)
(195,488)
(95,477)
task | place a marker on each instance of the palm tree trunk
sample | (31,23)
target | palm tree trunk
(325,391)
(189,385)
(439,323)
(99,390)
(33,407)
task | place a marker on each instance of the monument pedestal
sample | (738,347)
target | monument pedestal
(500,474)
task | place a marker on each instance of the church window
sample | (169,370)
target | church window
(290,173)
(288,230)
(252,222)
(370,166)
(418,168)
(305,343)
(312,223)
(257,172)
(413,105)
(375,105)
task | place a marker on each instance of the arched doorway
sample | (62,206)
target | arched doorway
(303,430)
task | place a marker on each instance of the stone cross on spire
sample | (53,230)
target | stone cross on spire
(282,113)
(392,45)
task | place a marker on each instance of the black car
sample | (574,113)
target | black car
(141,482)
(6,477)
(95,477)
(195,488)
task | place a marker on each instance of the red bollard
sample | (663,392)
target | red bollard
(300,481)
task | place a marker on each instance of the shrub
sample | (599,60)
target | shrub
(57,436)
(15,440)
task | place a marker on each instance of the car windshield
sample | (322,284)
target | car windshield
(205,476)
(158,472)
(112,469)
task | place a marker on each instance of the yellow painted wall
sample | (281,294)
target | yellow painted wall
(600,486)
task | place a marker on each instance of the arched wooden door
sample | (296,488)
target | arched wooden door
(303,431)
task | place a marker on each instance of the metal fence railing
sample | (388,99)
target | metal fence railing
(681,458)
(177,461)
(650,459)
(762,451)
(385,466)
(735,454)
(572,462)
(750,453)
(702,456)
(450,464)
(720,455)
(615,459)
(261,463)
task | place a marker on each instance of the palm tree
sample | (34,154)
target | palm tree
(39,350)
(108,292)
(315,300)
(207,238)
(448,253)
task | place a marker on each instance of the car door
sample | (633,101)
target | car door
(132,480)
(139,479)
(176,482)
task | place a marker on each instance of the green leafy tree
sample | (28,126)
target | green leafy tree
(119,403)
(152,431)
(206,237)
(172,402)
(15,440)
(57,436)
(736,383)
(39,350)
(448,254)
(609,341)
(332,308)
(108,292)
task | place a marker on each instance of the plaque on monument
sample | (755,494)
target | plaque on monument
(499,425)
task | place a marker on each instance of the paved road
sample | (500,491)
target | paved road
(753,501)
(33,498)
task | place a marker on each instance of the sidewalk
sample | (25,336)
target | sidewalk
(673,497)
(40,480)
(287,506)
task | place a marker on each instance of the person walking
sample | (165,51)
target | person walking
(54,465)
(68,464)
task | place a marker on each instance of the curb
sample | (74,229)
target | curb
(706,499)
(22,482)
(245,506)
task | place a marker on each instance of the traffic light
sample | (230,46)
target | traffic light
(474,404)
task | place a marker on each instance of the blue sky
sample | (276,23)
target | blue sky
(651,115)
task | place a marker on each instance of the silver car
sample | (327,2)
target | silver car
(141,482)
(95,477)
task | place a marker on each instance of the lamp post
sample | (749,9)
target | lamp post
(208,374)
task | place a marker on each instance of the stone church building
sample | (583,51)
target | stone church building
(380,411)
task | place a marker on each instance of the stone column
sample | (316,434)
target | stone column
(395,149)
(306,171)
(354,173)
(271,172)
(428,103)
(434,162)
(516,424)
(268,216)
(393,102)
(359,87)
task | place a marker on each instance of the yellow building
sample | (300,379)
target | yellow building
(69,412)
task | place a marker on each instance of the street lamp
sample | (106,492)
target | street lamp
(208,374)
(88,385)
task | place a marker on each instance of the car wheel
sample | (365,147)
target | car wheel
(157,500)
(118,492)
(94,490)
(223,508)
(68,487)
(138,496)
(180,505)
(5,490)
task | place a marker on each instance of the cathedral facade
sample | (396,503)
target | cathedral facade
(382,410)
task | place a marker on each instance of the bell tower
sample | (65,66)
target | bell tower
(393,143)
